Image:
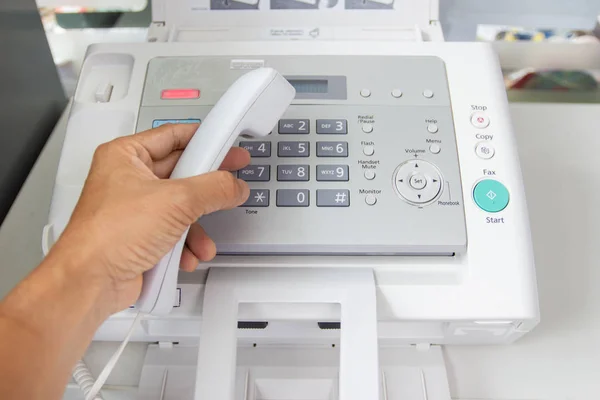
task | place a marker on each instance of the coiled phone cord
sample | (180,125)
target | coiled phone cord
(83,376)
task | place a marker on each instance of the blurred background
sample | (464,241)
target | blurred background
(550,50)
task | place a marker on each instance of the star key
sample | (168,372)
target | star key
(257,198)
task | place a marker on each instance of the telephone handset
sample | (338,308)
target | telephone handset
(250,107)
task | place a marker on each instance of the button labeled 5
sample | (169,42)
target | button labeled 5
(293,149)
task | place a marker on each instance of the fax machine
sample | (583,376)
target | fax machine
(387,213)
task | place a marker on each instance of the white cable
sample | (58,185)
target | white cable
(85,377)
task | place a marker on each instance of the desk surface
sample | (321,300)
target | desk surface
(558,145)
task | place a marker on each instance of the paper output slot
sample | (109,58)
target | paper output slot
(227,288)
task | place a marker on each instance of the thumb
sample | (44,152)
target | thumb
(213,191)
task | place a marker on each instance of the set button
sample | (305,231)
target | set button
(417,182)
(491,195)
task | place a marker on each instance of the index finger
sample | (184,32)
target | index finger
(162,141)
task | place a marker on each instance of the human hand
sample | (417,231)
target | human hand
(129,215)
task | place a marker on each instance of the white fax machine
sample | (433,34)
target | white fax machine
(387,214)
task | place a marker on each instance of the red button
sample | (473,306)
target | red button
(178,94)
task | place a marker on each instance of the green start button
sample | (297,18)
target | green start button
(491,196)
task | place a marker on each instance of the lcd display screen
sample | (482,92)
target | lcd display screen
(310,85)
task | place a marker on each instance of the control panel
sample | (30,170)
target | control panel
(363,162)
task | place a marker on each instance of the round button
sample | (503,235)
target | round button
(365,93)
(491,196)
(432,128)
(397,93)
(480,120)
(367,128)
(369,150)
(418,181)
(370,199)
(408,177)
(485,150)
(428,93)
(435,148)
(370,174)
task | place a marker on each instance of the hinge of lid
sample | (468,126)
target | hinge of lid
(423,346)
(157,32)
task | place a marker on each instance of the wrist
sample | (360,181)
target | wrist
(76,270)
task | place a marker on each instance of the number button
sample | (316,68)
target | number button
(327,173)
(293,149)
(293,198)
(255,173)
(336,126)
(257,149)
(332,149)
(293,173)
(294,126)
